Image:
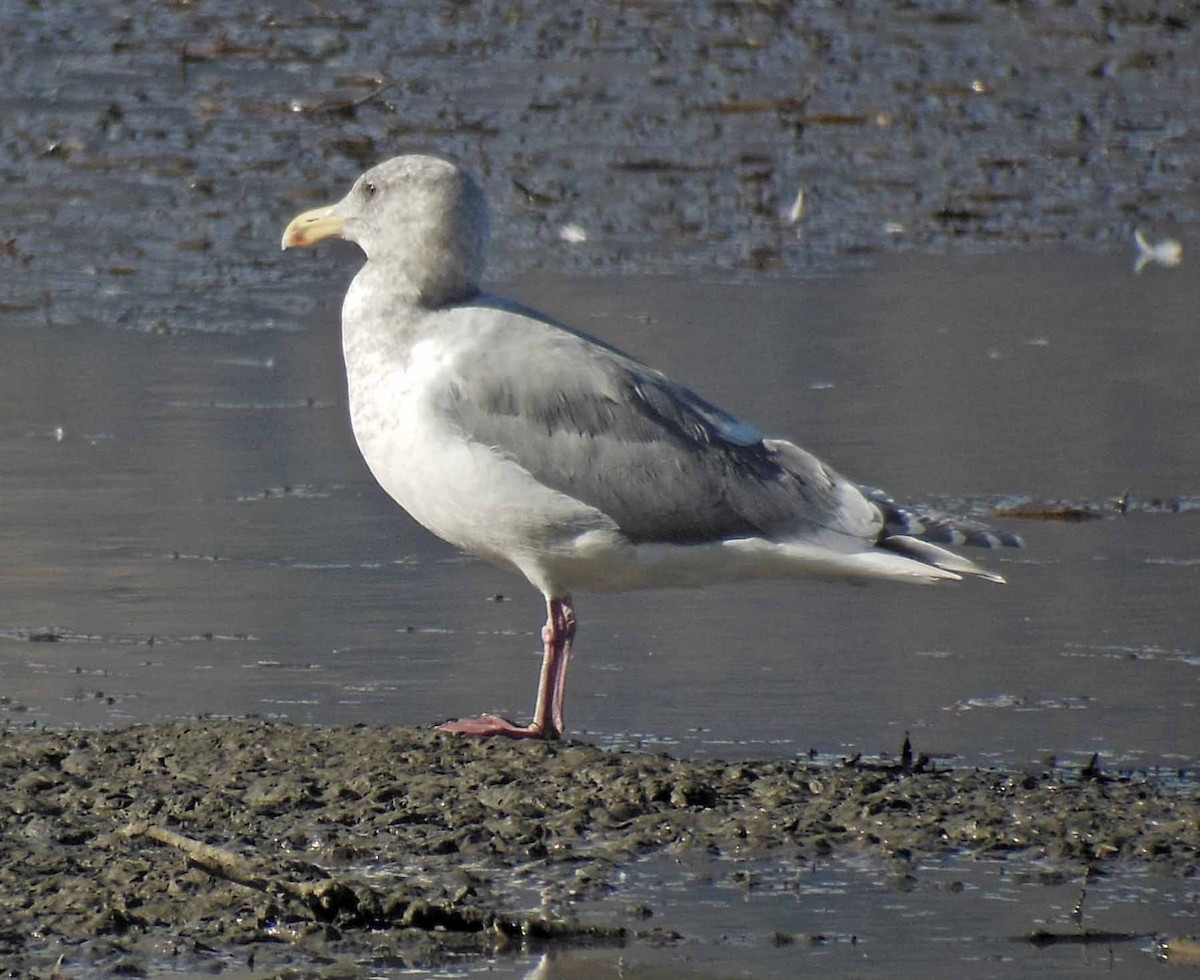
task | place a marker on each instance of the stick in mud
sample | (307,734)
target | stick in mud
(324,898)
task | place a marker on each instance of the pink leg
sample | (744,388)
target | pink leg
(557,636)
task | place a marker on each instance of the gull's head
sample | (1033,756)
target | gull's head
(419,215)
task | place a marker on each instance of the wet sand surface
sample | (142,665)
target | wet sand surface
(904,239)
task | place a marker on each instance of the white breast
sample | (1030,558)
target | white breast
(466,493)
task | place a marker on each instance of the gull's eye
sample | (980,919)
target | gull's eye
(369,190)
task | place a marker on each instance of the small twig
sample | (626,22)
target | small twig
(1077,911)
(325,898)
(346,106)
(1181,951)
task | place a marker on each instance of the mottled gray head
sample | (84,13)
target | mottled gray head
(419,218)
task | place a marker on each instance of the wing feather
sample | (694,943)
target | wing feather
(663,463)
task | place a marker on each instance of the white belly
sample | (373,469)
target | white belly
(464,492)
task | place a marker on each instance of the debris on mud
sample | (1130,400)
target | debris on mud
(228,834)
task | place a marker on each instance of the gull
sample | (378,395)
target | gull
(550,453)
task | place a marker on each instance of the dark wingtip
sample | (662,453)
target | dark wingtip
(937,527)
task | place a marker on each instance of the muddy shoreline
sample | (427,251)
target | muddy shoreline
(220,842)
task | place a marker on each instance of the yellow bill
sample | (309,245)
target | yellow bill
(311,227)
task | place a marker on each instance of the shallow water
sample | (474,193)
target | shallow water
(189,528)
(850,920)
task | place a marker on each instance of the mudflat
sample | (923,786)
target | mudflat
(179,839)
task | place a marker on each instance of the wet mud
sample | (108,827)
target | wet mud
(756,138)
(219,841)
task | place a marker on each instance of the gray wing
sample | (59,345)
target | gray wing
(664,464)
